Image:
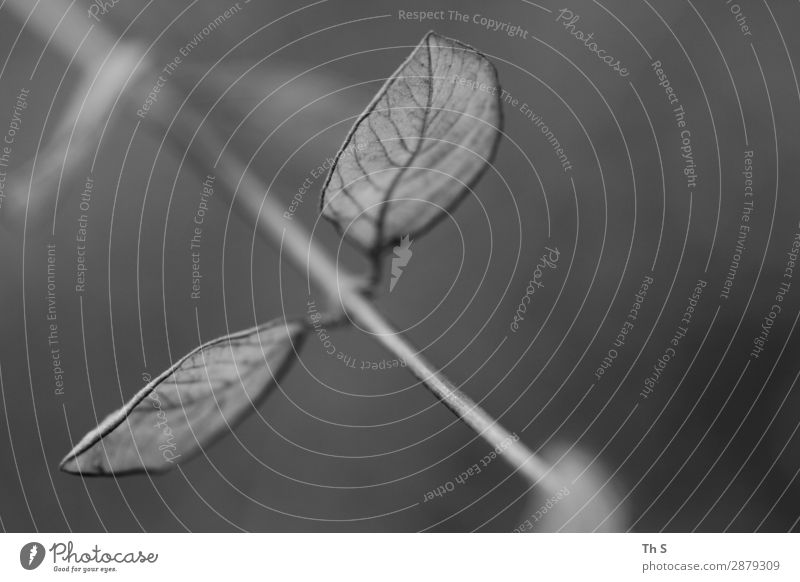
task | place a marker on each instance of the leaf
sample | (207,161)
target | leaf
(420,145)
(196,401)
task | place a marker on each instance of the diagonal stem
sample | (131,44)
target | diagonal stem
(247,191)
(343,288)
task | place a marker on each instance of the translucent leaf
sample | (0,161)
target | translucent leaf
(422,142)
(196,401)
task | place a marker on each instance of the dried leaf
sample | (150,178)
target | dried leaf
(422,142)
(195,402)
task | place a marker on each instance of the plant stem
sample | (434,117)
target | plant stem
(340,287)
(343,290)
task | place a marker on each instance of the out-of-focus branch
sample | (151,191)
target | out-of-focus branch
(104,66)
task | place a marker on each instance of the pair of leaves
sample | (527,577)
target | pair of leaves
(414,153)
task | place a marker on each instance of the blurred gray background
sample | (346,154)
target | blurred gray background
(714,446)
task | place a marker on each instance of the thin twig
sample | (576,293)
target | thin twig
(247,192)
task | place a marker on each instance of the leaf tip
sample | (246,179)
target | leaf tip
(69,464)
(233,372)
